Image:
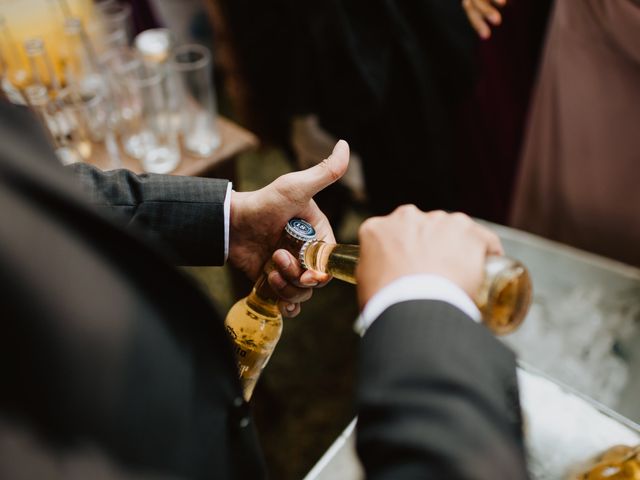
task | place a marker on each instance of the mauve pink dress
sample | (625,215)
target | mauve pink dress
(579,178)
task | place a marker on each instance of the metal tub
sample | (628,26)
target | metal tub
(579,346)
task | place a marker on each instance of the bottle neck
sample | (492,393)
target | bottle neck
(263,291)
(41,69)
(12,58)
(336,259)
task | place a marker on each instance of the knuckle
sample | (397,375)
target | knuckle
(369,225)
(286,294)
(462,218)
(406,209)
(332,171)
(435,214)
(495,239)
(365,227)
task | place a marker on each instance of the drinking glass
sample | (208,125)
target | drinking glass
(154,46)
(112,25)
(191,65)
(69,143)
(151,136)
(120,65)
(88,109)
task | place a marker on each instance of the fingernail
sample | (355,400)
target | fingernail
(338,143)
(290,307)
(283,259)
(306,280)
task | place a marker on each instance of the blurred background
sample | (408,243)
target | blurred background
(534,128)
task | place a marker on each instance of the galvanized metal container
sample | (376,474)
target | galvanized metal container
(580,345)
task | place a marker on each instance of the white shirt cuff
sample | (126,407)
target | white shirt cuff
(415,287)
(227,216)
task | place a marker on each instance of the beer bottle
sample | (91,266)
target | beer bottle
(42,71)
(619,462)
(254,323)
(503,299)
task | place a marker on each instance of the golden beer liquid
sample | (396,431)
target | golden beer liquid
(617,463)
(255,326)
(504,297)
(338,260)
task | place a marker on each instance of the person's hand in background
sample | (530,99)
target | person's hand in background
(483,14)
(409,241)
(258,219)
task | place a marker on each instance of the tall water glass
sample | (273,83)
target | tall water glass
(120,65)
(112,26)
(152,137)
(69,143)
(192,66)
(89,109)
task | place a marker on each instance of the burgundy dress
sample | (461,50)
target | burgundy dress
(579,179)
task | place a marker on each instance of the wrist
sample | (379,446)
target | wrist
(237,220)
(238,210)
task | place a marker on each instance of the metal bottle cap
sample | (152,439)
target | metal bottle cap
(300,230)
(303,253)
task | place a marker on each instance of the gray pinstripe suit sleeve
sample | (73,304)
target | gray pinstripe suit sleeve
(185,213)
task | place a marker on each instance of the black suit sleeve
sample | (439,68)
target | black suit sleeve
(437,398)
(26,456)
(185,214)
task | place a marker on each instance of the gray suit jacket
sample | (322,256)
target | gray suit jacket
(111,360)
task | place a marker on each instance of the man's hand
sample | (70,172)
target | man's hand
(482,14)
(258,218)
(409,241)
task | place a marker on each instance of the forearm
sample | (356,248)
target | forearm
(185,214)
(437,398)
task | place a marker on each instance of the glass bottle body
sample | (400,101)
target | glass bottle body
(503,299)
(15,73)
(619,462)
(254,324)
(65,140)
(42,72)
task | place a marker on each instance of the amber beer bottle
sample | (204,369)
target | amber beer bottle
(254,323)
(503,299)
(620,462)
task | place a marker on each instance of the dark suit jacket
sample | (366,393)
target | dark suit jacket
(389,75)
(437,398)
(114,365)
(105,346)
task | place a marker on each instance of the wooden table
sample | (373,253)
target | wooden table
(234,140)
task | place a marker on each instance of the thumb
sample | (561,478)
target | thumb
(308,182)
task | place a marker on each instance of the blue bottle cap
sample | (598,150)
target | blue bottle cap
(300,230)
